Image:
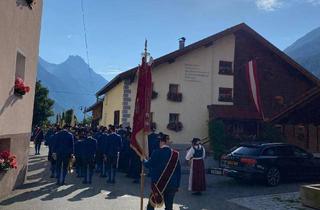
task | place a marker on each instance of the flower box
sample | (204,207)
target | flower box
(225,98)
(20,88)
(7,161)
(176,97)
(175,126)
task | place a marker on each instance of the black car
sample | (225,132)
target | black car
(270,162)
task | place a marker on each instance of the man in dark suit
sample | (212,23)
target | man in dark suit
(101,147)
(165,173)
(98,156)
(37,137)
(88,155)
(78,150)
(112,149)
(50,141)
(63,150)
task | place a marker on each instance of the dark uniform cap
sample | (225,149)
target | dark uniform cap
(195,140)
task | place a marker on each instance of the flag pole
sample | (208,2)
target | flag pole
(143,145)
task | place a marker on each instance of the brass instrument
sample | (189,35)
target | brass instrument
(72,160)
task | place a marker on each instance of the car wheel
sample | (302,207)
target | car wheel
(273,176)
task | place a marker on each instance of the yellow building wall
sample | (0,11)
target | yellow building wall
(199,82)
(112,102)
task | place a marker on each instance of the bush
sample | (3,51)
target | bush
(217,138)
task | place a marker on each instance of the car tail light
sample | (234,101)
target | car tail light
(248,161)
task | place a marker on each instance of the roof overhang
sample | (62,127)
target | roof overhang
(94,106)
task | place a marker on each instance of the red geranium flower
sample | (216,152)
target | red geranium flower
(26,89)
(19,81)
(5,154)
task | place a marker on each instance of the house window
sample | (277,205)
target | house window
(20,65)
(116,120)
(225,67)
(225,95)
(173,88)
(174,123)
(154,94)
(5,144)
(173,118)
(173,94)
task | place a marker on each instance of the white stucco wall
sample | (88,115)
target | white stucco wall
(199,82)
(19,31)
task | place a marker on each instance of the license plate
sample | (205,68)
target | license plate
(216,171)
(232,163)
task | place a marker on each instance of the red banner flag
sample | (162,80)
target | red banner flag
(254,86)
(141,118)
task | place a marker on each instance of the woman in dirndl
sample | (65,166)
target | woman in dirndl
(197,179)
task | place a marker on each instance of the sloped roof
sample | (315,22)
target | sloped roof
(207,42)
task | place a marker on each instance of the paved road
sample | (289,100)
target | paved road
(40,192)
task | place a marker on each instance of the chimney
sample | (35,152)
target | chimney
(182,41)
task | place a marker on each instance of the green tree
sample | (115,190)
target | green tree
(68,116)
(43,105)
(87,120)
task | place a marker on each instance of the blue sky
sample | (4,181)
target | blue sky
(116,29)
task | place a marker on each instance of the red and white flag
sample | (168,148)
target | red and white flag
(141,118)
(253,82)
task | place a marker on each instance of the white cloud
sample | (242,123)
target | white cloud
(111,71)
(268,5)
(271,5)
(314,2)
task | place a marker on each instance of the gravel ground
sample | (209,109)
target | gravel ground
(285,201)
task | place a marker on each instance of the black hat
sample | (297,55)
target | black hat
(195,140)
(163,137)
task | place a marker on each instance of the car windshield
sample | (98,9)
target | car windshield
(246,150)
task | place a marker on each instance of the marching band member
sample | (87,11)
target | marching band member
(111,151)
(62,151)
(88,156)
(165,172)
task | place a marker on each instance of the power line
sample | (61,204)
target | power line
(85,39)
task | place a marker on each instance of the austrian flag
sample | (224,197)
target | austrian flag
(254,87)
(141,118)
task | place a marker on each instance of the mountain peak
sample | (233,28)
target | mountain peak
(71,84)
(306,51)
(75,58)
